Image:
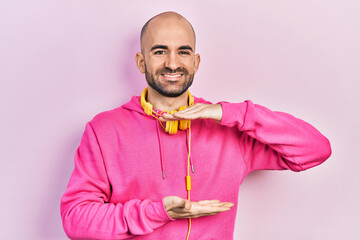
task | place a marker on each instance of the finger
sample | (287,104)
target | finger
(192,109)
(209,208)
(203,111)
(198,209)
(190,115)
(175,117)
(167,117)
(209,213)
(221,204)
(229,204)
(181,114)
(208,201)
(197,212)
(172,117)
(212,205)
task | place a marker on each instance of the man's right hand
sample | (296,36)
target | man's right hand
(178,207)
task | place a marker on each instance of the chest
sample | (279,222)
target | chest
(135,170)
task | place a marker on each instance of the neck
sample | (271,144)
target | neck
(164,103)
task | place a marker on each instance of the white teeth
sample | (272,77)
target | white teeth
(172,76)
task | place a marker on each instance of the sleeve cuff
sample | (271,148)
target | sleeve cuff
(156,214)
(233,113)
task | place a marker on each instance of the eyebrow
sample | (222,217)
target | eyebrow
(159,46)
(185,47)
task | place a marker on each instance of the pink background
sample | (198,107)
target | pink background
(62,62)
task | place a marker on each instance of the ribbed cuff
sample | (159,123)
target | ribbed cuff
(233,113)
(156,214)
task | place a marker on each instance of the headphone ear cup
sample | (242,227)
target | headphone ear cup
(172,126)
(183,124)
(167,127)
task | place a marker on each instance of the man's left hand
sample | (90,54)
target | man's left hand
(198,110)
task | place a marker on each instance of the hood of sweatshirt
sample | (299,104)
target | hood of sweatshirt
(134,105)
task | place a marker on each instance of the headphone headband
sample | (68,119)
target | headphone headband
(148,107)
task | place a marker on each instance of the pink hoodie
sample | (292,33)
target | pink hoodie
(117,186)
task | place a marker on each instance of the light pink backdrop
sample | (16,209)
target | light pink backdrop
(62,62)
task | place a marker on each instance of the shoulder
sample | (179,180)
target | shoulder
(106,115)
(201,100)
(113,117)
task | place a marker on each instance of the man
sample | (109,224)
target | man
(129,176)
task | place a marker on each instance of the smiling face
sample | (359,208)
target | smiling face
(167,54)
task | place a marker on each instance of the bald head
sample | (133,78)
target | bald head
(167,56)
(162,21)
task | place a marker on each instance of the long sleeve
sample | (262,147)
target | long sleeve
(275,140)
(85,208)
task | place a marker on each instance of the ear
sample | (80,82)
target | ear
(197,62)
(139,59)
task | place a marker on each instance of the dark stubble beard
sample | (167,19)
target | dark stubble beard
(157,86)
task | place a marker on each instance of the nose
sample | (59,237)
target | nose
(172,62)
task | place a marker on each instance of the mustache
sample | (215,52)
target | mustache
(168,70)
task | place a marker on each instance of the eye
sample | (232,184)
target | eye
(184,53)
(159,52)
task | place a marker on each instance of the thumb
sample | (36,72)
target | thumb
(183,203)
(175,202)
(187,205)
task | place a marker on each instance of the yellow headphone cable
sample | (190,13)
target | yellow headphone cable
(171,127)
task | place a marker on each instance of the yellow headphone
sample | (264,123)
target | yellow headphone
(171,126)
